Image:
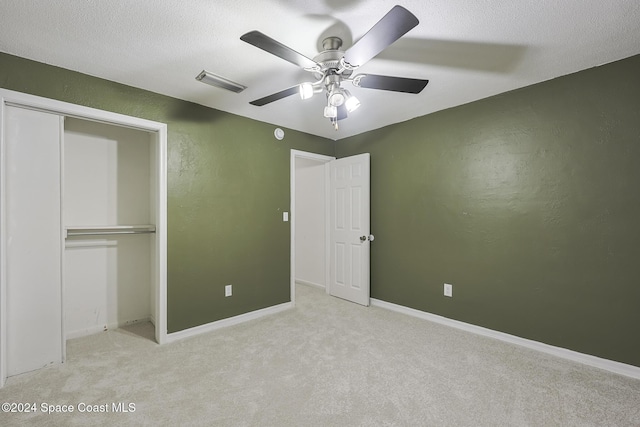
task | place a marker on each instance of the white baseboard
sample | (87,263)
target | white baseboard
(306,282)
(586,359)
(197,330)
(101,328)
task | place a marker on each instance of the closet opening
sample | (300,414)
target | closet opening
(108,177)
(83,228)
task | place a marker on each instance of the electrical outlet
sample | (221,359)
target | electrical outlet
(227,291)
(448,290)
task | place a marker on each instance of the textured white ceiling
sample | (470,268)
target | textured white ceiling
(467,49)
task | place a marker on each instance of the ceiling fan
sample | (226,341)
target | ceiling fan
(332,66)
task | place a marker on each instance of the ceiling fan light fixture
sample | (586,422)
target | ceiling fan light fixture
(218,81)
(336,98)
(306,90)
(352,103)
(330,112)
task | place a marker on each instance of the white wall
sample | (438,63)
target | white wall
(310,221)
(106,182)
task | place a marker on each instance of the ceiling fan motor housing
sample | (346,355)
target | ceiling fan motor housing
(332,43)
(329,59)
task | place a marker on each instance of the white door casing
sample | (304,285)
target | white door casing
(296,154)
(350,228)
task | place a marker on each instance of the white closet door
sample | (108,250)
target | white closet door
(33,240)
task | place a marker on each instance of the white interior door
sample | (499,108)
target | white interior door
(33,240)
(350,228)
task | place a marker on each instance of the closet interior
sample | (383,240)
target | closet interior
(108,216)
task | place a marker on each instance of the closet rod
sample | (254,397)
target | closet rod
(71,233)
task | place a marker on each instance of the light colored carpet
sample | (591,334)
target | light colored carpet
(326,362)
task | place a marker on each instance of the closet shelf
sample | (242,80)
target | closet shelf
(85,230)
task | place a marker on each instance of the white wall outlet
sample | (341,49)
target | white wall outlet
(227,291)
(448,290)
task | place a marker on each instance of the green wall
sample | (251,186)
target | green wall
(527,202)
(228,184)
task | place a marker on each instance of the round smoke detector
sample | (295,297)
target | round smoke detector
(279,134)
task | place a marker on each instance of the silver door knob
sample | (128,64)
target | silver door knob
(365,238)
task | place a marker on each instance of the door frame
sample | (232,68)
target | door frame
(321,158)
(18,99)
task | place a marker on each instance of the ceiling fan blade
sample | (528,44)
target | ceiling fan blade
(342,112)
(396,84)
(390,28)
(276,48)
(275,96)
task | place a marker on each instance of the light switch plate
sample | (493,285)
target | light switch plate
(448,290)
(285,216)
(227,291)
